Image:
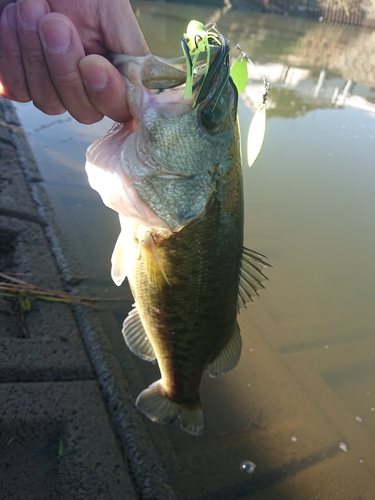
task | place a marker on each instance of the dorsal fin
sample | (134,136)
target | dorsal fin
(251,276)
(136,337)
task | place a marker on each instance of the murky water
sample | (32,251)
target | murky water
(296,419)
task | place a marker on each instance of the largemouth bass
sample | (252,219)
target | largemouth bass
(174,176)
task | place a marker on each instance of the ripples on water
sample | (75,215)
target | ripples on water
(308,363)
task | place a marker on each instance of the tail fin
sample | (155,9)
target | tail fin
(161,409)
(192,420)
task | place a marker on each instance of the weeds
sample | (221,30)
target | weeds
(17,295)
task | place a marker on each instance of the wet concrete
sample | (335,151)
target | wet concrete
(68,426)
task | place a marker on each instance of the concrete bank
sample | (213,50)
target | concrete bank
(359,12)
(68,426)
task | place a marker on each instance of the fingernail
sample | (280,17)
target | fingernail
(56,34)
(11,15)
(32,11)
(94,75)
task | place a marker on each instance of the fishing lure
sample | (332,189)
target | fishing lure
(257,129)
(200,38)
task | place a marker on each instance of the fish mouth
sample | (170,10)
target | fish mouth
(208,71)
(158,73)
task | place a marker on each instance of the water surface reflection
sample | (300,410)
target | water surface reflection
(304,391)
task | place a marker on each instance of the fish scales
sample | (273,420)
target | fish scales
(185,157)
(174,176)
(190,320)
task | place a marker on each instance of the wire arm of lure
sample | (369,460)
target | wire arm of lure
(257,127)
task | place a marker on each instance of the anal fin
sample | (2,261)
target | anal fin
(251,276)
(136,337)
(229,356)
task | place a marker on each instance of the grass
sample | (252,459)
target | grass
(15,287)
(17,295)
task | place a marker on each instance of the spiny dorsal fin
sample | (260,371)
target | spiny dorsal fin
(136,337)
(251,276)
(229,356)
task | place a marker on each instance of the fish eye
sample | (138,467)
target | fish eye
(217,117)
(211,118)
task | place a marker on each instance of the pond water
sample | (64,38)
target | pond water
(296,419)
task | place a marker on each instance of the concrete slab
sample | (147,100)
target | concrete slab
(57,443)
(45,344)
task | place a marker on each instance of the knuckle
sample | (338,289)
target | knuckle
(69,80)
(49,106)
(14,90)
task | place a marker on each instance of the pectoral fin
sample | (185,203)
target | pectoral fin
(229,356)
(136,337)
(118,272)
(155,269)
(251,276)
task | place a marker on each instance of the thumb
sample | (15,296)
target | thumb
(120,29)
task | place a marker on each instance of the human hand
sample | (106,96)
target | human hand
(53,52)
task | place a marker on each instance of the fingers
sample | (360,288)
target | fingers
(42,59)
(24,74)
(40,86)
(62,52)
(118,36)
(4,3)
(40,52)
(12,76)
(105,87)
